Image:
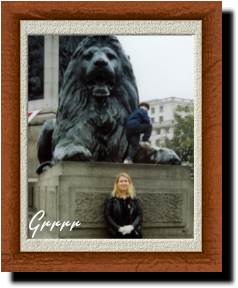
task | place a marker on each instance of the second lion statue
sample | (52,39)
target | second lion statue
(98,94)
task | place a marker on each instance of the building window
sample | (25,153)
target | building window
(157,142)
(166,130)
(161,108)
(161,119)
(158,131)
(152,119)
(166,139)
(152,110)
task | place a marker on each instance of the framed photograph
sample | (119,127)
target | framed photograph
(170,198)
(119,143)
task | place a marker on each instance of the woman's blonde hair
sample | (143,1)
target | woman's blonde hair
(131,190)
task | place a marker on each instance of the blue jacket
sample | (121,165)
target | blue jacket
(139,116)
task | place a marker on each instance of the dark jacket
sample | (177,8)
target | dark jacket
(139,116)
(120,212)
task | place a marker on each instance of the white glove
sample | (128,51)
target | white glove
(126,229)
(121,230)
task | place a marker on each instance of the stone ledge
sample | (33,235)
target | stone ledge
(105,168)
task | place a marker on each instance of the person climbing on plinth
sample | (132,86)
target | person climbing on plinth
(138,123)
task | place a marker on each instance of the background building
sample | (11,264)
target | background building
(162,117)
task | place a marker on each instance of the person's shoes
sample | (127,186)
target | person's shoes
(145,144)
(128,161)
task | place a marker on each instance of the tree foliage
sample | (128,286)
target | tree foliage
(183,140)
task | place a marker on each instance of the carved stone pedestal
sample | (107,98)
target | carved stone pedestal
(77,191)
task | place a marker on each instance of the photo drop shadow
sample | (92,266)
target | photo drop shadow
(227,197)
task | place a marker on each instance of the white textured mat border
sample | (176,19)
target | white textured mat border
(118,28)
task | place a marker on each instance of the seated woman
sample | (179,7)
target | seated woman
(123,212)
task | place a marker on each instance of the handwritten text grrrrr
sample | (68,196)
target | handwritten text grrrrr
(36,225)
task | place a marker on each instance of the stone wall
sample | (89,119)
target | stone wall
(77,191)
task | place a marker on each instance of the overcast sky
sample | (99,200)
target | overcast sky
(163,65)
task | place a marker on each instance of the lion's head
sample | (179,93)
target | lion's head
(102,64)
(100,68)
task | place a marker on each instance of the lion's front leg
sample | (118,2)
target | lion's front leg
(78,144)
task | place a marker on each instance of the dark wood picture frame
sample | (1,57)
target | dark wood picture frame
(210,259)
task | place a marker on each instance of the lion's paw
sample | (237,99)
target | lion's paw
(72,152)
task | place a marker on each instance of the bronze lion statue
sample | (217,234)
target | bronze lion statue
(98,94)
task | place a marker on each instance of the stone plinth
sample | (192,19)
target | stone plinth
(77,191)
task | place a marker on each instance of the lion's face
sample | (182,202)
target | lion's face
(99,67)
(99,72)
